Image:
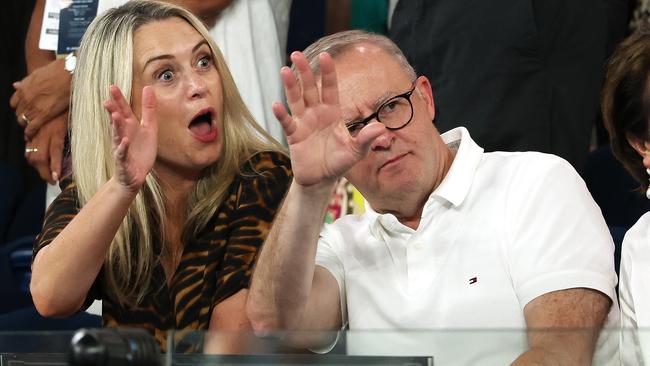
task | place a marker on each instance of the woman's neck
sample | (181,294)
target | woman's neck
(176,191)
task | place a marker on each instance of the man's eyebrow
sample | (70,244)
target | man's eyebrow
(383,98)
(167,56)
(375,105)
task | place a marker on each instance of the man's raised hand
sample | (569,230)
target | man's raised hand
(321,148)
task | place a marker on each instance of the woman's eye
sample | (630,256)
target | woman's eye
(166,75)
(204,62)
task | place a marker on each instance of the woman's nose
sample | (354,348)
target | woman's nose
(197,87)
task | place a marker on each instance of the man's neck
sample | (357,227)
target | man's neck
(411,217)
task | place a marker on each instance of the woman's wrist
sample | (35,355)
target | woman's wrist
(124,191)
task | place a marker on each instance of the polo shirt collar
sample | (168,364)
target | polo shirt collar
(456,184)
(458,181)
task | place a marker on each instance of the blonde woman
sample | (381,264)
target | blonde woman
(173,184)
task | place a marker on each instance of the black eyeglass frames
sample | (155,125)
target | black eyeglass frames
(395,113)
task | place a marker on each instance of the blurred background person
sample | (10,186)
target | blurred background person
(20,185)
(520,74)
(252,34)
(626,112)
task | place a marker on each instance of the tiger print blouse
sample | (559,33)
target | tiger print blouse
(213,267)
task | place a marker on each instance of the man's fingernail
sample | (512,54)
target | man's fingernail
(55,176)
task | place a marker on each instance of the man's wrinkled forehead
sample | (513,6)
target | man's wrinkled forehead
(367,77)
(364,106)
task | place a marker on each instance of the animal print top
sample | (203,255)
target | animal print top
(213,267)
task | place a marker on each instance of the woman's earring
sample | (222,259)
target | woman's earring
(647,193)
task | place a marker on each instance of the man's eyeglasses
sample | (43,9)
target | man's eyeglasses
(395,113)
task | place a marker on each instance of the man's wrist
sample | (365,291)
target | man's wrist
(315,193)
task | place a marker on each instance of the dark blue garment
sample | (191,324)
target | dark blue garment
(519,74)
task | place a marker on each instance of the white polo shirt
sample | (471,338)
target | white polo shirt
(500,230)
(634,291)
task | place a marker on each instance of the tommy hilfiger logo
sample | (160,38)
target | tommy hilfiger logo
(473,280)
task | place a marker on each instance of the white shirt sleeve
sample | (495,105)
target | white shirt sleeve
(628,316)
(556,236)
(633,290)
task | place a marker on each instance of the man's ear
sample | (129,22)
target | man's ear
(424,91)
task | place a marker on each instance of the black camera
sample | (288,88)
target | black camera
(114,347)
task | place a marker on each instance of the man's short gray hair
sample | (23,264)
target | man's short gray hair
(337,43)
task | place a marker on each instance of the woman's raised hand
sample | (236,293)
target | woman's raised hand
(321,148)
(135,142)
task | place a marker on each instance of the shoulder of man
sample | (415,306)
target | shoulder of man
(530,163)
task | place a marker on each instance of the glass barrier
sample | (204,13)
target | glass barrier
(404,348)
(34,348)
(421,347)
(34,342)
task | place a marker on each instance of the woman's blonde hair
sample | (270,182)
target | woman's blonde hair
(106,58)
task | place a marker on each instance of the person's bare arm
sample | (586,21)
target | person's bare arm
(563,327)
(49,142)
(229,329)
(42,64)
(289,292)
(45,92)
(64,270)
(34,56)
(42,95)
(230,314)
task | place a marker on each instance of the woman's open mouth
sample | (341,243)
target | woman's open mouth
(202,127)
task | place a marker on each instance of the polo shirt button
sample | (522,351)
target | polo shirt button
(417,246)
